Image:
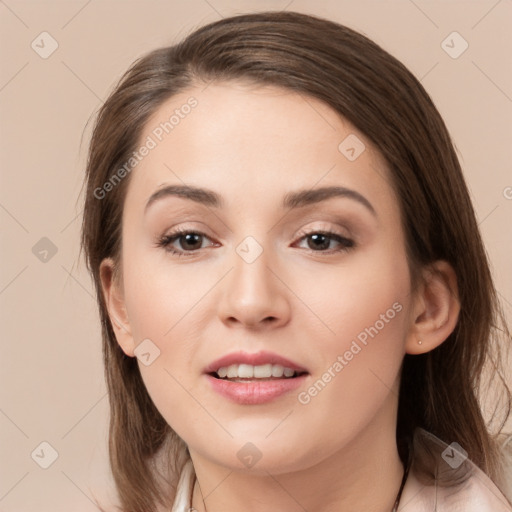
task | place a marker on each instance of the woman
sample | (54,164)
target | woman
(295,299)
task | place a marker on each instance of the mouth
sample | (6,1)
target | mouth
(252,379)
(244,366)
(251,373)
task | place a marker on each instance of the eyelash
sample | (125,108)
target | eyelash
(165,241)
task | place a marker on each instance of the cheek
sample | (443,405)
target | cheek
(168,306)
(160,298)
(365,299)
(366,308)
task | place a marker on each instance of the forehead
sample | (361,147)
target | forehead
(254,143)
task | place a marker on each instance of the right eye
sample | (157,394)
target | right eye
(189,240)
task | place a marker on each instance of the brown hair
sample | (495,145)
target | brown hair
(380,97)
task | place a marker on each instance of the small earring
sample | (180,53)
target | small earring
(419,342)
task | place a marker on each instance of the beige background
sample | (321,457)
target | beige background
(52,386)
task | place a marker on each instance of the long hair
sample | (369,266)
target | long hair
(364,84)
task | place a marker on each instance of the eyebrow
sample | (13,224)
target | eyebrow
(292,200)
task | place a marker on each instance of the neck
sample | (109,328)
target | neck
(364,475)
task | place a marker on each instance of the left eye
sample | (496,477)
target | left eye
(321,240)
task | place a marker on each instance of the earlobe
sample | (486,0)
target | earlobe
(114,301)
(436,309)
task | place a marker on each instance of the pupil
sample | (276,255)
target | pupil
(324,241)
(189,238)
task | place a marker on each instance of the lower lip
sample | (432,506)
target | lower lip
(255,392)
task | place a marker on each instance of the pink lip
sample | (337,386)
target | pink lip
(254,392)
(257,359)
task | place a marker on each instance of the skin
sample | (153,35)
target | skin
(252,145)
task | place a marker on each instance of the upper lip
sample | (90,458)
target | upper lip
(256,359)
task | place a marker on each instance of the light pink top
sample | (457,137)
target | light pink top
(478,493)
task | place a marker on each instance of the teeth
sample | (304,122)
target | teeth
(288,372)
(247,371)
(262,372)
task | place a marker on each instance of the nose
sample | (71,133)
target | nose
(254,295)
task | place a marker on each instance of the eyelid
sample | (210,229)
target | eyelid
(324,227)
(345,243)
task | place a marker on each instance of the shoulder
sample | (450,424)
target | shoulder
(476,492)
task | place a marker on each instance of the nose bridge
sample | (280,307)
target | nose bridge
(252,292)
(251,280)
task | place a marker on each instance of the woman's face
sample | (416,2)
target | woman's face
(257,280)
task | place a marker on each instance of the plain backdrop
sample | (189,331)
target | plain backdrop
(60,59)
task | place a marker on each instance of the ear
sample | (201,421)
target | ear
(436,309)
(114,300)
